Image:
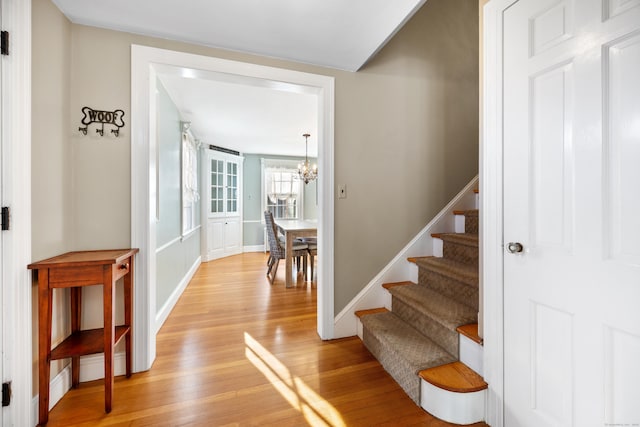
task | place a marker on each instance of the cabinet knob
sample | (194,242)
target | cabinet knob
(124,266)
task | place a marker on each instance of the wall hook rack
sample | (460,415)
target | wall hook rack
(114,118)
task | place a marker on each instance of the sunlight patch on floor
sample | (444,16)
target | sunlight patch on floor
(316,410)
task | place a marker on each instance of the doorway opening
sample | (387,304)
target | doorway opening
(146,63)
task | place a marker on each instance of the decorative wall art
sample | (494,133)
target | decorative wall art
(112,118)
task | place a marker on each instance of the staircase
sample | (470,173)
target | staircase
(428,342)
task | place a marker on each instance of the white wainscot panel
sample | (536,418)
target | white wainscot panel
(618,7)
(552,193)
(623,146)
(551,27)
(622,376)
(552,364)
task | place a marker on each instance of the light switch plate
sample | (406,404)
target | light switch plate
(342,191)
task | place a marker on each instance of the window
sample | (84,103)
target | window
(282,194)
(190,195)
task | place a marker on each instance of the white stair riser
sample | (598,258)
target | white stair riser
(459,223)
(438,248)
(471,354)
(457,408)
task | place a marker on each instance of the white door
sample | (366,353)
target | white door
(3,289)
(3,309)
(571,199)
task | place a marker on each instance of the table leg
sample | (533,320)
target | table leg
(128,317)
(289,259)
(109,332)
(76,307)
(44,344)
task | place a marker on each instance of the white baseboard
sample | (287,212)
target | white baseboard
(164,312)
(91,368)
(398,269)
(254,248)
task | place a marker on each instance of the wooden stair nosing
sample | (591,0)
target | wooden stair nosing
(455,377)
(394,284)
(361,313)
(470,331)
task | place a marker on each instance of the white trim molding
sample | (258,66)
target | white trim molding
(491,181)
(145,63)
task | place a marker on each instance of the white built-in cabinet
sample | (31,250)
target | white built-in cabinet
(223,204)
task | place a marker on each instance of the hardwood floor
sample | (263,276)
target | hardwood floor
(237,351)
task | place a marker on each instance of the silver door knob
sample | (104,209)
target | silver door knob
(514,247)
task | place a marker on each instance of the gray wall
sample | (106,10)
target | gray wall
(173,261)
(253,231)
(51,180)
(410,116)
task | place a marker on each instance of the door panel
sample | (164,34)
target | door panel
(622,95)
(571,154)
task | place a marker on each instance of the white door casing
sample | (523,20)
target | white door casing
(145,61)
(571,148)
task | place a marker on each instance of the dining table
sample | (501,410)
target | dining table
(293,229)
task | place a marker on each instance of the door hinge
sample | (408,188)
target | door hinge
(6,213)
(4,42)
(6,394)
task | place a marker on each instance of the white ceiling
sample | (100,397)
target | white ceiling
(247,116)
(253,116)
(340,34)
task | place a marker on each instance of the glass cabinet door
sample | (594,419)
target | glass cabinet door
(232,188)
(217,186)
(224,185)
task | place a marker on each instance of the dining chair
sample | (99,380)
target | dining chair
(277,250)
(312,249)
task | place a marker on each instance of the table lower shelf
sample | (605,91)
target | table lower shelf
(85,342)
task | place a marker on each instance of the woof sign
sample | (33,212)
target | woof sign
(113,118)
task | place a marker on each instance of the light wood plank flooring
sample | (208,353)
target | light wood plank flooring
(237,351)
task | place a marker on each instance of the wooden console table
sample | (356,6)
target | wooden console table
(74,270)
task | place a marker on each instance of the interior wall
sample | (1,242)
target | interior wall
(176,255)
(407,138)
(51,180)
(406,135)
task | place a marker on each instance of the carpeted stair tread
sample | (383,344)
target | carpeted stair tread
(439,308)
(465,273)
(402,350)
(466,239)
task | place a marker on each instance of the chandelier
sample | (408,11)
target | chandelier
(306,172)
